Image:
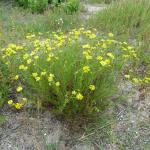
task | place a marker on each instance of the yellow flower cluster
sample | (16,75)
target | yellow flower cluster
(51,77)
(137,80)
(68,65)
(18,105)
(92,87)
(36,77)
(19,89)
(23,67)
(79,96)
(86,69)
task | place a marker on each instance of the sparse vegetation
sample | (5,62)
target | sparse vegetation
(126,17)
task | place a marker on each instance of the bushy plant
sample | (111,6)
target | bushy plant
(23,3)
(34,5)
(75,72)
(71,6)
(37,5)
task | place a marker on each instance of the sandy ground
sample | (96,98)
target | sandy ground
(92,9)
(132,128)
(131,131)
(22,132)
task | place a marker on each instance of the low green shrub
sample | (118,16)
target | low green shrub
(34,5)
(37,5)
(23,3)
(71,73)
(71,6)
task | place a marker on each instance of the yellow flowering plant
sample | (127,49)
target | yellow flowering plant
(76,72)
(18,105)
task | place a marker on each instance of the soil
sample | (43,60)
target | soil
(132,128)
(45,132)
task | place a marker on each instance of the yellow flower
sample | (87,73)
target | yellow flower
(86,46)
(126,56)
(147,79)
(49,48)
(92,87)
(32,53)
(109,41)
(22,67)
(37,48)
(10,102)
(74,92)
(56,58)
(85,53)
(18,105)
(125,43)
(49,59)
(51,77)
(36,57)
(111,55)
(37,78)
(133,53)
(88,57)
(25,56)
(25,68)
(130,47)
(57,84)
(30,36)
(16,77)
(13,46)
(19,89)
(19,48)
(104,45)
(92,36)
(24,100)
(86,69)
(110,34)
(79,96)
(29,61)
(35,74)
(127,76)
(135,80)
(105,63)
(43,73)
(99,58)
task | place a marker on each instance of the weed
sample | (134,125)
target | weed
(83,83)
